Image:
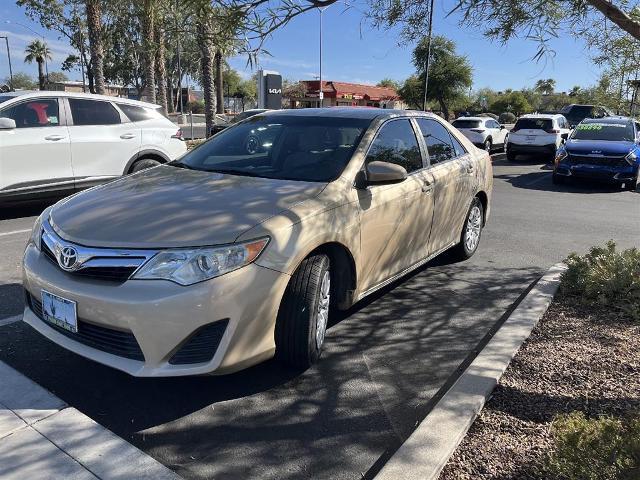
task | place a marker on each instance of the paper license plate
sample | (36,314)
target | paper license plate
(59,311)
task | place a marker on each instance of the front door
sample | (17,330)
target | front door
(395,220)
(36,155)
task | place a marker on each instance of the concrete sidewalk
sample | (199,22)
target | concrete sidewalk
(43,438)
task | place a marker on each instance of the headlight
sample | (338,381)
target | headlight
(36,232)
(631,158)
(189,266)
(561,155)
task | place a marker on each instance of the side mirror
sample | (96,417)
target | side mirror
(502,127)
(564,136)
(7,123)
(383,173)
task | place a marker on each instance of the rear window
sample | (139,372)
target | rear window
(466,123)
(604,131)
(533,124)
(138,114)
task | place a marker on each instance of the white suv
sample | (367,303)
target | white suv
(483,132)
(537,134)
(59,142)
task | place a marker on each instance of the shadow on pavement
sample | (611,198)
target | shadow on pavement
(541,180)
(384,362)
(27,209)
(10,300)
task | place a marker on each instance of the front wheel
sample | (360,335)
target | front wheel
(632,185)
(488,145)
(143,164)
(471,232)
(304,313)
(511,156)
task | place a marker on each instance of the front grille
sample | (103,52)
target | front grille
(47,252)
(602,161)
(202,345)
(116,342)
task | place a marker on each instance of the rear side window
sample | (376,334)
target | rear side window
(41,112)
(396,143)
(92,112)
(138,114)
(533,124)
(457,147)
(438,140)
(466,123)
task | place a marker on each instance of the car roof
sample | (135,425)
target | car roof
(349,112)
(542,115)
(621,120)
(473,118)
(92,96)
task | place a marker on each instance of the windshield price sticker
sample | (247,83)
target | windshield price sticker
(599,126)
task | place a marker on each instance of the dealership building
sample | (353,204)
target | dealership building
(342,94)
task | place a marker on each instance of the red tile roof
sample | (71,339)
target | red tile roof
(356,90)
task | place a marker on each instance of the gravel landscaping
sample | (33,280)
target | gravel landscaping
(579,358)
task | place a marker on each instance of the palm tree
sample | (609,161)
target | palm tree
(94,25)
(546,87)
(205,35)
(38,51)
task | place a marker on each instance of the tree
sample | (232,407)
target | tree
(161,67)
(388,82)
(546,87)
(96,48)
(514,102)
(21,81)
(147,21)
(38,52)
(204,25)
(450,75)
(57,77)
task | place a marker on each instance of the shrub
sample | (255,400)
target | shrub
(604,448)
(606,277)
(196,106)
(507,117)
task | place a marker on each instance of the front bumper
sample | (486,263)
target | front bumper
(597,172)
(163,317)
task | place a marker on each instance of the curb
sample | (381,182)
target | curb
(425,453)
(42,437)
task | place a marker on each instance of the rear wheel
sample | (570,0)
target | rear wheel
(632,184)
(304,313)
(143,164)
(471,232)
(488,145)
(511,156)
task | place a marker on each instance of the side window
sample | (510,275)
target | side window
(92,112)
(136,113)
(494,124)
(438,140)
(41,112)
(396,143)
(457,147)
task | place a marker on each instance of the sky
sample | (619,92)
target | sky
(353,52)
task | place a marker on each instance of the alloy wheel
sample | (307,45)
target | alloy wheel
(474,225)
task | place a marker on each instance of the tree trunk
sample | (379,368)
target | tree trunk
(41,73)
(148,52)
(161,68)
(205,40)
(443,107)
(94,25)
(219,83)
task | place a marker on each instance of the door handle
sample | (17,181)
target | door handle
(427,187)
(127,136)
(54,138)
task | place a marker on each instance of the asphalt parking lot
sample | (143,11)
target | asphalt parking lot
(386,360)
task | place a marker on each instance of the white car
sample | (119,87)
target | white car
(537,134)
(53,143)
(483,132)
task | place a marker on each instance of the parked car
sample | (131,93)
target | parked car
(238,118)
(603,149)
(576,113)
(59,142)
(230,255)
(483,132)
(537,134)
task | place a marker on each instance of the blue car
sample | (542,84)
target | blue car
(601,149)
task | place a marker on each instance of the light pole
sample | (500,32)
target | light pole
(6,40)
(426,67)
(46,64)
(320,92)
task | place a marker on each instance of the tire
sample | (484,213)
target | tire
(504,145)
(143,164)
(632,185)
(304,312)
(488,146)
(558,179)
(472,223)
(511,156)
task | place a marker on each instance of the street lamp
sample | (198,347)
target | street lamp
(6,40)
(46,64)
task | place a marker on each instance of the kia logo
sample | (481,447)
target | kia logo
(275,90)
(68,258)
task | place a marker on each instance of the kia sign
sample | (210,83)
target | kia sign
(269,90)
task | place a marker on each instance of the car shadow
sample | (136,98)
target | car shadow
(542,180)
(26,209)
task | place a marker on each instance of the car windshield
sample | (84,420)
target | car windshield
(466,123)
(241,116)
(603,131)
(286,147)
(533,124)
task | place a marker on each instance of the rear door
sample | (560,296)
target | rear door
(452,174)
(36,155)
(102,140)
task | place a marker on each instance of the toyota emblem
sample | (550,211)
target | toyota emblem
(68,258)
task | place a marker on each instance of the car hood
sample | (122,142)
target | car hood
(173,207)
(589,147)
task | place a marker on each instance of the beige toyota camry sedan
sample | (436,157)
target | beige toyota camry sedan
(241,249)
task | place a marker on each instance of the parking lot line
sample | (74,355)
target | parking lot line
(7,321)
(15,232)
